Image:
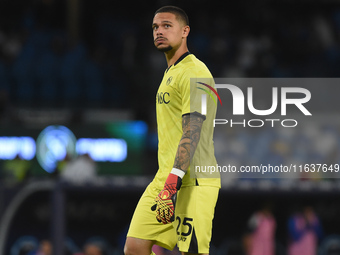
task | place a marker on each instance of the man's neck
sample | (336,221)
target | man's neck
(173,55)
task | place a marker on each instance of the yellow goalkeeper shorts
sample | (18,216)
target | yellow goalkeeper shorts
(192,228)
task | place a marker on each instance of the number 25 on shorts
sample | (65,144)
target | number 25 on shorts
(184,228)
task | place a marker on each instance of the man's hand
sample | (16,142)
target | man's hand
(165,202)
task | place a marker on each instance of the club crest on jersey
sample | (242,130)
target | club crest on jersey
(169,81)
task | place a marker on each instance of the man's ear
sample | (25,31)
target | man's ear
(186,30)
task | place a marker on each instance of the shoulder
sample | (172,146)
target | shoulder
(192,67)
(192,62)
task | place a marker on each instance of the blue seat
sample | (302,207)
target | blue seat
(47,76)
(330,245)
(4,79)
(24,245)
(100,242)
(22,72)
(93,81)
(71,73)
(70,246)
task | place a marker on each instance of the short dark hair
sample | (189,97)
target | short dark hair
(178,12)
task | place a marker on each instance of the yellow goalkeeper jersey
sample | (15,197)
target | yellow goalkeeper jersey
(180,93)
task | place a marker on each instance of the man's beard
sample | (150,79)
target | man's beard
(166,49)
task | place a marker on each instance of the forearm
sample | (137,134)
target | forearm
(166,200)
(191,125)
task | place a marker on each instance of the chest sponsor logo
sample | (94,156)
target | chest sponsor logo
(163,98)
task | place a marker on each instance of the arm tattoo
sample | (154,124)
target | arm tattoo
(191,126)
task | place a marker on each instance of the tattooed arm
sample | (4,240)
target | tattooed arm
(166,200)
(191,125)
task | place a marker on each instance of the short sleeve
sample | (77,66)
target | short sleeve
(191,90)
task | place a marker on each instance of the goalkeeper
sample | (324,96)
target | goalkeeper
(178,205)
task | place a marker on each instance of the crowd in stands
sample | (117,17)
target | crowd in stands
(112,63)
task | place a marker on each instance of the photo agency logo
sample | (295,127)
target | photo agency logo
(204,96)
(284,102)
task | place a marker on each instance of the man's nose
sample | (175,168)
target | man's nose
(159,31)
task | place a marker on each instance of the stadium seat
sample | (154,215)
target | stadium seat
(47,76)
(93,81)
(71,73)
(24,245)
(330,245)
(70,246)
(102,243)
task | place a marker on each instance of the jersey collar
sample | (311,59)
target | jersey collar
(179,60)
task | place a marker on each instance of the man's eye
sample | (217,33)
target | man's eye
(167,26)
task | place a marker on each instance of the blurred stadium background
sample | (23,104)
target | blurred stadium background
(78,77)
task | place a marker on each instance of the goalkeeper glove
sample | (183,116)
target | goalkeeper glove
(166,200)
